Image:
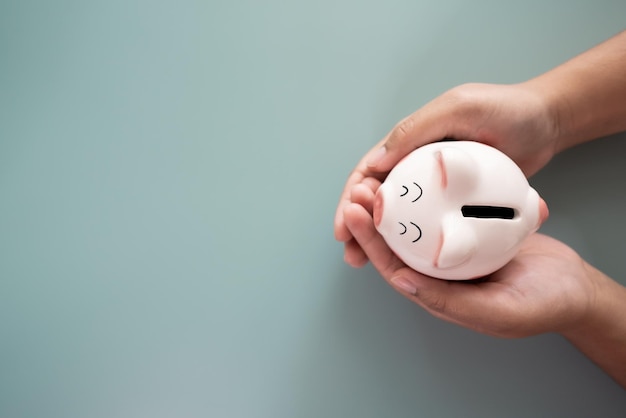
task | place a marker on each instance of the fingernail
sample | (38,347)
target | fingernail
(404,285)
(377,157)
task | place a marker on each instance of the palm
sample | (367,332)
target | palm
(509,118)
(538,291)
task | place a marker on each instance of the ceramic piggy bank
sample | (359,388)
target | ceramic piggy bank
(457,209)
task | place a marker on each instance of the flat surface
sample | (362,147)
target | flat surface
(168,178)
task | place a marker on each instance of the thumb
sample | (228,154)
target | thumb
(475,305)
(431,123)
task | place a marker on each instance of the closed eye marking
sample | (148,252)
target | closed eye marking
(420,195)
(404,226)
(418,230)
(406,191)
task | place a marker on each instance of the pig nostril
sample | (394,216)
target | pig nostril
(543,212)
(378,208)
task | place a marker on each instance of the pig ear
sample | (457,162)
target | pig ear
(457,168)
(458,243)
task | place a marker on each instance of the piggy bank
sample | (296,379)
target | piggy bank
(456,210)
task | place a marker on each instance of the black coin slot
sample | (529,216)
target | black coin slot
(497,212)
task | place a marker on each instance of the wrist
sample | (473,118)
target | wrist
(586,94)
(554,112)
(601,333)
(604,315)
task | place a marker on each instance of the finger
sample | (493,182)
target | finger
(341,230)
(354,255)
(364,196)
(483,306)
(361,225)
(486,307)
(360,173)
(372,183)
(405,280)
(434,121)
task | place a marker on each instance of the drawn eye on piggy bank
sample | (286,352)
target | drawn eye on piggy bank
(457,209)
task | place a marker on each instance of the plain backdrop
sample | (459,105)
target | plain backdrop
(169,172)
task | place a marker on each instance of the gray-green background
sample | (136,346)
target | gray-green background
(168,178)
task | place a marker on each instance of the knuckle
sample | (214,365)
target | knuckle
(500,328)
(458,96)
(437,304)
(464,99)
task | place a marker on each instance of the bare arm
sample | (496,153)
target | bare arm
(588,96)
(601,334)
(547,287)
(580,100)
(587,93)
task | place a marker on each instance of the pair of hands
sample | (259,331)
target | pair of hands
(546,287)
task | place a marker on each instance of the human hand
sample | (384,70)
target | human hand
(545,287)
(513,118)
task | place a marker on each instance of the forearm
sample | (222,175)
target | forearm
(587,95)
(601,335)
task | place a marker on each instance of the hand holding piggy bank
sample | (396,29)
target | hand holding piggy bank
(457,209)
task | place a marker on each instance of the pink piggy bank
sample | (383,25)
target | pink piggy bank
(457,210)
